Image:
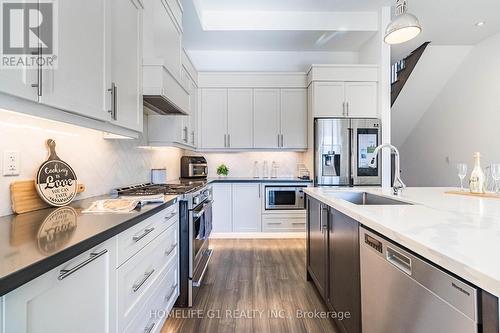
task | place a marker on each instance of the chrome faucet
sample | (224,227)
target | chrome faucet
(398,186)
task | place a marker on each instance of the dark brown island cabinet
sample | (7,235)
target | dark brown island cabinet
(333,262)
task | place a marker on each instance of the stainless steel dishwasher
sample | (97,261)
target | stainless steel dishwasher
(402,293)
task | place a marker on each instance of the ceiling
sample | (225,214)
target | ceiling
(289,38)
(294,5)
(451,22)
(445,22)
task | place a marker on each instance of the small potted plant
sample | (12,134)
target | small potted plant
(222,170)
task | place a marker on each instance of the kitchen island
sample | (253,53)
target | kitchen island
(460,234)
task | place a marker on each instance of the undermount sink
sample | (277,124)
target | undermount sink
(365,198)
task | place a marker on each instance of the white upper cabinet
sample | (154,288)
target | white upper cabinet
(214,118)
(80,82)
(163,35)
(328,99)
(294,118)
(246,207)
(344,99)
(126,64)
(239,118)
(76,297)
(17,82)
(266,118)
(361,99)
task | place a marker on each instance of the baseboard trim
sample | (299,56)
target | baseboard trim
(258,235)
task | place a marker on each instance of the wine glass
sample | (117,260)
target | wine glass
(462,172)
(495,174)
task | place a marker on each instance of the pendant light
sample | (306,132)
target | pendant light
(404,27)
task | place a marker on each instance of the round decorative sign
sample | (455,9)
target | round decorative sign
(56,181)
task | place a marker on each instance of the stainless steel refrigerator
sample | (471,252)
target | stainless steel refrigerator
(343,149)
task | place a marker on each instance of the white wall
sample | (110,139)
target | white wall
(463,119)
(266,60)
(100,164)
(241,164)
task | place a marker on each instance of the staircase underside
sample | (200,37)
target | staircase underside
(428,78)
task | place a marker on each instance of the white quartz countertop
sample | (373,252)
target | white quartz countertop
(458,233)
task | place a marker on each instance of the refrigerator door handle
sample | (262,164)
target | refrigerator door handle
(351,157)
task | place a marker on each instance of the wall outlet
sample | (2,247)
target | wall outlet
(11,163)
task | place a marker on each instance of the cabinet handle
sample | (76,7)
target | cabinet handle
(149,328)
(282,142)
(172,292)
(39,83)
(139,284)
(225,140)
(274,223)
(64,273)
(170,216)
(298,223)
(144,234)
(229,140)
(113,91)
(343,109)
(347,109)
(192,138)
(167,253)
(278,140)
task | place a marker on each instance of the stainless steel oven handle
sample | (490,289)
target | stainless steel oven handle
(198,283)
(197,214)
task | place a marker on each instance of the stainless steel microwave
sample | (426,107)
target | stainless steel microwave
(285,197)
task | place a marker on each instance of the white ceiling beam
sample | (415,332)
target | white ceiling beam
(288,20)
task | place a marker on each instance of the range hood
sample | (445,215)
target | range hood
(163,94)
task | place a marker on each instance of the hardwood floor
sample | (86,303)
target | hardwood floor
(253,285)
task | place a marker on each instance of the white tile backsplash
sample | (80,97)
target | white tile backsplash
(241,164)
(100,164)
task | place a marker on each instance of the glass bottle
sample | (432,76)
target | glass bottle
(265,170)
(477,182)
(255,169)
(274,170)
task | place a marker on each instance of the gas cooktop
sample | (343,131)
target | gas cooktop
(183,187)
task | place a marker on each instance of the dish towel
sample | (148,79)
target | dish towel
(205,224)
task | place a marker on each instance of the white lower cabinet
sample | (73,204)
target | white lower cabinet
(151,315)
(284,222)
(222,207)
(240,208)
(246,211)
(89,294)
(137,278)
(74,297)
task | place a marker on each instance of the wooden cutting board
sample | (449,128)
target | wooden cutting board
(477,195)
(25,198)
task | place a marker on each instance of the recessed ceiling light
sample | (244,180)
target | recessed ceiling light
(480,24)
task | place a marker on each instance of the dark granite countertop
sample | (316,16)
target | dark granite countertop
(256,180)
(28,247)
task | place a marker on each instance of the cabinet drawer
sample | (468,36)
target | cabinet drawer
(153,313)
(276,223)
(132,240)
(142,273)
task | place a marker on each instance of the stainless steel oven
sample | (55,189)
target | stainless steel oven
(200,225)
(285,197)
